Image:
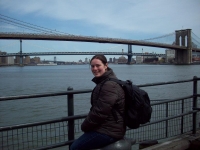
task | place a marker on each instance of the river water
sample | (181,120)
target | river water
(44,79)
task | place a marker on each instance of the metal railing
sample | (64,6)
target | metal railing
(170,118)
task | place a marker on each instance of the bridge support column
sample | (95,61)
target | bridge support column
(183,38)
(54,59)
(129,56)
(21,57)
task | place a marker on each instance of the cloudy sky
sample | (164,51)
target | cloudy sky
(129,19)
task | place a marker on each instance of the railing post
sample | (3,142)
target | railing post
(70,101)
(167,115)
(194,117)
(182,118)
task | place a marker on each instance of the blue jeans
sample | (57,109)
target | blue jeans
(92,140)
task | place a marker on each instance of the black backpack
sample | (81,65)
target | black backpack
(137,104)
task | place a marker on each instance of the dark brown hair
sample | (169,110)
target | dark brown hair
(100,57)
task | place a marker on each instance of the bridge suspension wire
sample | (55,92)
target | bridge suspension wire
(195,35)
(196,39)
(167,39)
(196,42)
(18,25)
(29,26)
(163,36)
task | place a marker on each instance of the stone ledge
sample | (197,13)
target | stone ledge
(182,142)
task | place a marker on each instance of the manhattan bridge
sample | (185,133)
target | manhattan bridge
(184,42)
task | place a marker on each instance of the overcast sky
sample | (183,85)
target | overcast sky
(129,19)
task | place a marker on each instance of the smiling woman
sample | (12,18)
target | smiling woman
(100,127)
(98,66)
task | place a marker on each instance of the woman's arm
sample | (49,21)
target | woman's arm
(102,107)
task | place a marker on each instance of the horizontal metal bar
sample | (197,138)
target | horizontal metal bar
(172,100)
(169,118)
(83,91)
(165,83)
(45,95)
(194,108)
(42,123)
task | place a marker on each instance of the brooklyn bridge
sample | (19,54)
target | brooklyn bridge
(184,44)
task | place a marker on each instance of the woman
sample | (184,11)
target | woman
(100,126)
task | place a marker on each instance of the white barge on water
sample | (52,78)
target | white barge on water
(49,64)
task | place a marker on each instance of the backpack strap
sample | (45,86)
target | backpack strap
(117,81)
(120,82)
(114,109)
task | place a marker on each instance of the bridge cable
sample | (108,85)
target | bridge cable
(35,26)
(23,25)
(158,37)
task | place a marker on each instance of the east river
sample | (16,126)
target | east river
(44,79)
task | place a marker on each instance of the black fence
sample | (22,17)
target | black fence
(170,117)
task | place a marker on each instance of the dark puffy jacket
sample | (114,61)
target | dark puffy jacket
(100,117)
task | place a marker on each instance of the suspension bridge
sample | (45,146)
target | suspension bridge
(184,43)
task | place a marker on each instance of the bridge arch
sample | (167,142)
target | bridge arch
(183,38)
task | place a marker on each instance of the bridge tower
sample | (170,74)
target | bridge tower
(183,38)
(20,57)
(129,52)
(54,59)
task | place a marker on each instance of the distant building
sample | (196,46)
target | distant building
(122,60)
(86,60)
(151,60)
(80,61)
(35,60)
(170,55)
(139,59)
(146,59)
(114,60)
(17,59)
(4,60)
(3,53)
(11,61)
(196,56)
(27,60)
(110,60)
(133,61)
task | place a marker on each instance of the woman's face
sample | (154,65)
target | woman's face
(98,68)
